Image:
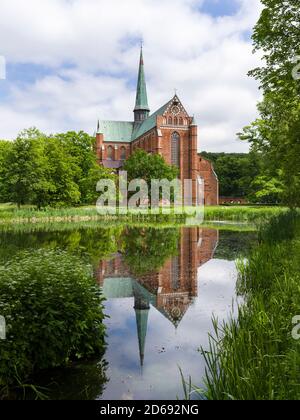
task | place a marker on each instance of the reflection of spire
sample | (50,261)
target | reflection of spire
(142,308)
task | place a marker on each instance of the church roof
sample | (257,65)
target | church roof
(149,123)
(126,132)
(141,102)
(116,131)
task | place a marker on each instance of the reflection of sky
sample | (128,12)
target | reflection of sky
(166,349)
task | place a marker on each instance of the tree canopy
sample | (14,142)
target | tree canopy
(276,134)
(58,170)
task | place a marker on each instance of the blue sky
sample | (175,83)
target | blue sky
(218,8)
(70,63)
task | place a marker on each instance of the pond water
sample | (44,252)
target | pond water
(162,288)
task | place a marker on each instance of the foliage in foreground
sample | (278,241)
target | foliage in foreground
(255,357)
(53,311)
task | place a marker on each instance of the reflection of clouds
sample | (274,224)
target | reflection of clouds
(160,378)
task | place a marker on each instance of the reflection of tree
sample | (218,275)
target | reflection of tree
(233,245)
(146,250)
(94,242)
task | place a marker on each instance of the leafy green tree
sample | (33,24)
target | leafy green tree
(82,157)
(142,165)
(268,190)
(236,172)
(5,149)
(63,172)
(26,169)
(88,184)
(276,133)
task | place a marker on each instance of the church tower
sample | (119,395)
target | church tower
(142,308)
(141,110)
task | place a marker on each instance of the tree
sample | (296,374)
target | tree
(87,172)
(146,250)
(26,172)
(63,173)
(276,134)
(88,184)
(5,149)
(236,172)
(60,170)
(142,165)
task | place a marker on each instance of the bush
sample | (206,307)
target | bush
(54,314)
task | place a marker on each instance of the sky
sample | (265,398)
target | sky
(72,62)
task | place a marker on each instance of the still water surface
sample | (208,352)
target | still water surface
(162,288)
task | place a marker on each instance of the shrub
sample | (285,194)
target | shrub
(54,314)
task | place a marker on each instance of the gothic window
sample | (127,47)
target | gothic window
(123,153)
(165,121)
(110,153)
(175,121)
(175,149)
(180,121)
(170,120)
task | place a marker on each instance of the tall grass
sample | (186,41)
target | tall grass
(10,214)
(249,214)
(255,356)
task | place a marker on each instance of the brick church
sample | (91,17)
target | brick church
(170,132)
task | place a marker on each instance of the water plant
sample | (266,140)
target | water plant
(255,356)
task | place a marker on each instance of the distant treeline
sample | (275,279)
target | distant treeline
(242,175)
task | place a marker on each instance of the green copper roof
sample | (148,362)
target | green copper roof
(141,102)
(122,131)
(149,123)
(116,131)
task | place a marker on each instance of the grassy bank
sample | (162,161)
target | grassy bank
(250,214)
(10,214)
(256,357)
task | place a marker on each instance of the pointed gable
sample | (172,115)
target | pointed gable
(175,108)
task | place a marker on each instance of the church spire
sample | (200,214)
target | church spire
(142,309)
(141,110)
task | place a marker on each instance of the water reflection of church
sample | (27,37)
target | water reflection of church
(171,289)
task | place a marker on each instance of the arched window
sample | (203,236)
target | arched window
(165,121)
(110,153)
(123,153)
(180,121)
(170,121)
(175,121)
(175,149)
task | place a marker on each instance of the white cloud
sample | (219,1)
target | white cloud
(205,58)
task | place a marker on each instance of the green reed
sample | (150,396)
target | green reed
(255,356)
